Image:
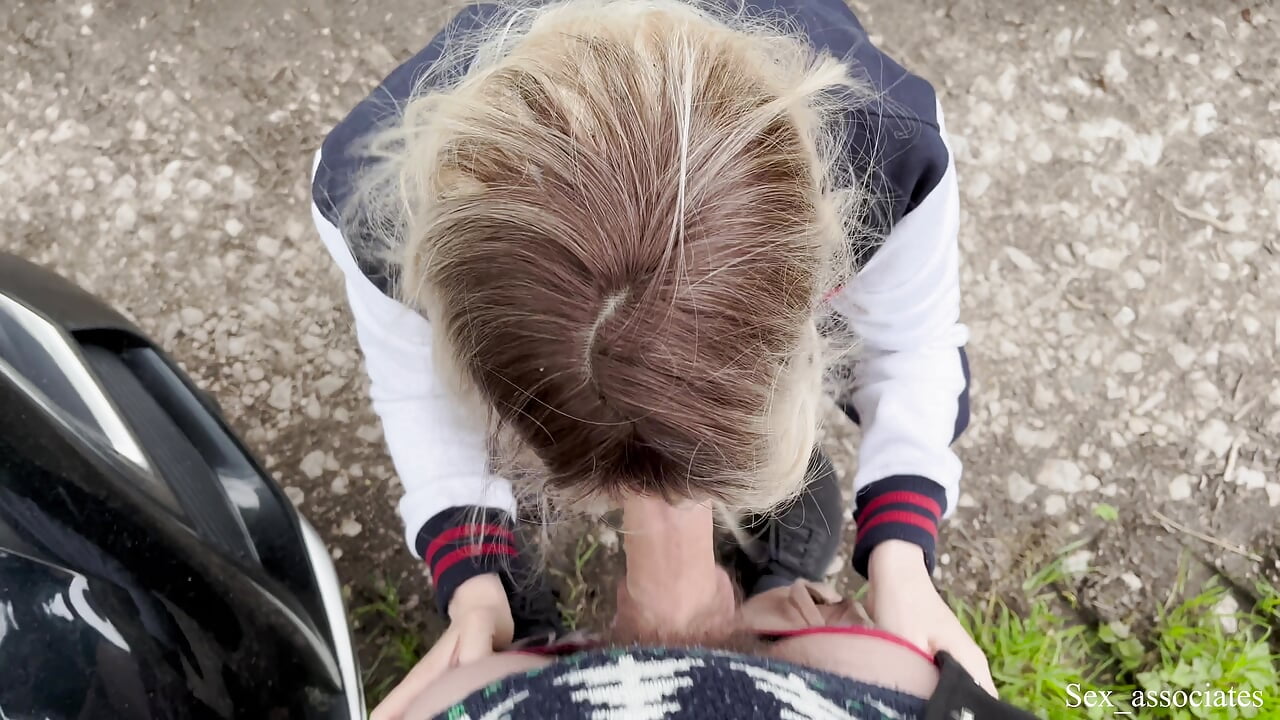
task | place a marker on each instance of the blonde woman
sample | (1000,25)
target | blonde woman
(612,229)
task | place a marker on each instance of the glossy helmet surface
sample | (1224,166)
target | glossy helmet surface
(149,566)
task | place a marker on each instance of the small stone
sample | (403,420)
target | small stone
(1114,71)
(350,527)
(1250,478)
(1145,148)
(124,188)
(1180,487)
(1128,362)
(86,11)
(977,185)
(1216,437)
(1058,474)
(191,316)
(329,384)
(1134,280)
(1184,356)
(1206,392)
(1042,397)
(1032,438)
(312,464)
(126,217)
(967,501)
(1226,610)
(295,495)
(281,397)
(1204,119)
(1077,562)
(241,190)
(1055,505)
(268,246)
(1020,488)
(1062,41)
(341,414)
(1131,581)
(1041,153)
(233,227)
(1007,83)
(339,485)
(1105,258)
(1242,249)
(198,189)
(369,433)
(1105,461)
(608,537)
(1124,317)
(1268,151)
(1021,259)
(1092,482)
(255,374)
(1273,494)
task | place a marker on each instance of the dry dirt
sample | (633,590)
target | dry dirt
(1120,171)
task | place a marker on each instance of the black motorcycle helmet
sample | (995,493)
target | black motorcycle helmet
(149,567)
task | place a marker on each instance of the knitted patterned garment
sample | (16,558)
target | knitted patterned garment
(675,684)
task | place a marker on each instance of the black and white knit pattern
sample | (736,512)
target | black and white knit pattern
(662,684)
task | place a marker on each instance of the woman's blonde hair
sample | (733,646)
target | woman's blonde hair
(621,217)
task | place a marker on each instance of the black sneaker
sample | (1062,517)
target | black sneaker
(535,609)
(797,541)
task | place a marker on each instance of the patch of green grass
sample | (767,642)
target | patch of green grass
(403,643)
(1047,663)
(1106,512)
(1191,649)
(579,597)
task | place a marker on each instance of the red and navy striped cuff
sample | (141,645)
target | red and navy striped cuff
(900,507)
(463,542)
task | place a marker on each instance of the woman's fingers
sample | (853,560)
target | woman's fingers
(475,641)
(974,661)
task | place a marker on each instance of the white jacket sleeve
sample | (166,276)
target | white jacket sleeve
(904,308)
(441,460)
(910,381)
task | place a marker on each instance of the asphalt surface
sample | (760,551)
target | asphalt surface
(1120,173)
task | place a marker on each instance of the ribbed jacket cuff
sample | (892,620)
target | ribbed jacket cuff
(463,542)
(899,507)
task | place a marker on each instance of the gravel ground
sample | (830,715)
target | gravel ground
(1120,167)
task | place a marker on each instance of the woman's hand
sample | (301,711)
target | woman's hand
(479,624)
(902,600)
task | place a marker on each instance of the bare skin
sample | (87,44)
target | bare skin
(671,547)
